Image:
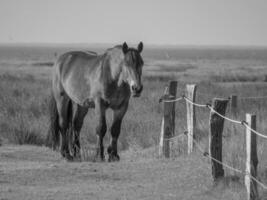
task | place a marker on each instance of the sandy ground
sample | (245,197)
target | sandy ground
(30,172)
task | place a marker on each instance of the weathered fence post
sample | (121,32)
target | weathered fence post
(233,112)
(191,116)
(233,105)
(168,121)
(161,139)
(252,158)
(215,136)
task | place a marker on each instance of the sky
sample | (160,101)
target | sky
(171,22)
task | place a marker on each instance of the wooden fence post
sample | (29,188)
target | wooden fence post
(233,112)
(191,116)
(252,159)
(161,139)
(168,121)
(215,136)
(233,105)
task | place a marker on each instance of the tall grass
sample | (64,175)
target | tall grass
(24,109)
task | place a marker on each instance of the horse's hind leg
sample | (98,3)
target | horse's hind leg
(118,115)
(101,128)
(63,106)
(78,117)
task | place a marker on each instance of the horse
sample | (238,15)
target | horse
(83,80)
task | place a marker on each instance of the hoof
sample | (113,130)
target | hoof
(77,158)
(76,151)
(67,156)
(113,158)
(77,154)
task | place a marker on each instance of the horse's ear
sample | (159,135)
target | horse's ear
(140,47)
(124,48)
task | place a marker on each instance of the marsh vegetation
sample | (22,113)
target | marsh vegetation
(25,89)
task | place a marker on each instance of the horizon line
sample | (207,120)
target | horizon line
(146,44)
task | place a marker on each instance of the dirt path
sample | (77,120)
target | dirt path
(29,172)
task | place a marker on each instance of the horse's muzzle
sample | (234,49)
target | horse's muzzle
(136,91)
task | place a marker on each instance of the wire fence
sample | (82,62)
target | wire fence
(244,123)
(206,154)
(174,137)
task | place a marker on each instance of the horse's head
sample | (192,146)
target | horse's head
(132,68)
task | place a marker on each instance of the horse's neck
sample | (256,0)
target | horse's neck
(112,74)
(114,63)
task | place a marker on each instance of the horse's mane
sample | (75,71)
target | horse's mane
(134,55)
(115,47)
(91,52)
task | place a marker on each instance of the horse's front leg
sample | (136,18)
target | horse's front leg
(118,115)
(101,128)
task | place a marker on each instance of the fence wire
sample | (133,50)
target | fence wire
(228,166)
(172,100)
(231,120)
(244,123)
(195,104)
(256,132)
(174,137)
(206,154)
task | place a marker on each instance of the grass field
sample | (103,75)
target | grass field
(218,72)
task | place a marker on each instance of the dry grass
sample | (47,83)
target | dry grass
(24,93)
(23,107)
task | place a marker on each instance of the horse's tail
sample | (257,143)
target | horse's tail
(53,135)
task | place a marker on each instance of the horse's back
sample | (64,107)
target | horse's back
(74,60)
(72,71)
